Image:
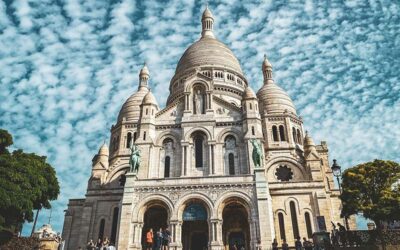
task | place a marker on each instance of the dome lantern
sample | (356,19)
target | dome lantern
(207,22)
(144,76)
(267,70)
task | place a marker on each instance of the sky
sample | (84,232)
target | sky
(67,66)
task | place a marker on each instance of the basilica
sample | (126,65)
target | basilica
(197,174)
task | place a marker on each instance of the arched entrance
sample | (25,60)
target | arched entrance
(195,226)
(235,226)
(155,217)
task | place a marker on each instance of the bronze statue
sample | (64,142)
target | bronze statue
(134,159)
(257,153)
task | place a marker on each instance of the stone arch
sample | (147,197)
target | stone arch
(115,172)
(229,131)
(280,210)
(203,83)
(181,204)
(296,202)
(151,200)
(229,197)
(167,134)
(189,134)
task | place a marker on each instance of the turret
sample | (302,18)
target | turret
(207,22)
(144,76)
(100,162)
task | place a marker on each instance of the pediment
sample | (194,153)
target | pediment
(223,107)
(171,112)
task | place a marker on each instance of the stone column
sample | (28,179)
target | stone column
(177,235)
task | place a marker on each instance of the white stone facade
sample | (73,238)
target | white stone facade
(196,154)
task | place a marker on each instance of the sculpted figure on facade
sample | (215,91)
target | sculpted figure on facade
(257,153)
(134,159)
(198,102)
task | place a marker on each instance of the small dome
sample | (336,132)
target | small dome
(208,52)
(207,13)
(149,99)
(144,70)
(249,93)
(274,99)
(131,108)
(308,141)
(266,64)
(104,150)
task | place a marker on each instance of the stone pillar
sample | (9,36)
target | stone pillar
(211,160)
(176,231)
(216,235)
(264,223)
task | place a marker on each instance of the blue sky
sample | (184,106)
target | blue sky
(66,67)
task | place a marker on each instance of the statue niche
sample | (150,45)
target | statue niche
(198,100)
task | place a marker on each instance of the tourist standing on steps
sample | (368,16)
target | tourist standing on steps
(297,244)
(166,239)
(149,239)
(285,245)
(275,245)
(307,244)
(158,239)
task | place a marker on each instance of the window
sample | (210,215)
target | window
(101,228)
(231,160)
(295,225)
(282,133)
(114,224)
(152,111)
(134,136)
(275,133)
(144,136)
(284,173)
(128,140)
(294,135)
(251,107)
(299,137)
(252,130)
(308,224)
(167,166)
(198,146)
(281,221)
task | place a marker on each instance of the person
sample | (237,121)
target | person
(275,245)
(234,247)
(111,246)
(342,234)
(90,245)
(99,244)
(106,242)
(158,239)
(307,244)
(297,244)
(149,239)
(285,245)
(166,238)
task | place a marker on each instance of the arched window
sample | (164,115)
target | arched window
(251,107)
(282,133)
(128,139)
(308,224)
(101,228)
(299,137)
(294,135)
(147,111)
(295,225)
(281,221)
(167,166)
(231,159)
(198,146)
(134,136)
(275,133)
(144,136)
(114,224)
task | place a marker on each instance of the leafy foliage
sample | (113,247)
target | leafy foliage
(27,182)
(372,188)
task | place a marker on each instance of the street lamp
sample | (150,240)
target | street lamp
(337,172)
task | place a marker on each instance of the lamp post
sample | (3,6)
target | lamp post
(337,172)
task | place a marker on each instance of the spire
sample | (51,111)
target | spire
(267,70)
(207,21)
(144,76)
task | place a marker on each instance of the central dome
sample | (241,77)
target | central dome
(208,51)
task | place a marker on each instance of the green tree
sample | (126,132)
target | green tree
(372,189)
(27,182)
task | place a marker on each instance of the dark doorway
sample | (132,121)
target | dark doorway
(155,217)
(195,227)
(235,226)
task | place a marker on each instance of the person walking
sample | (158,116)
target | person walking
(158,239)
(166,239)
(307,244)
(275,245)
(297,244)
(342,234)
(98,244)
(149,239)
(285,245)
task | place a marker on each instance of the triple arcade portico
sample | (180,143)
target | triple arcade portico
(219,165)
